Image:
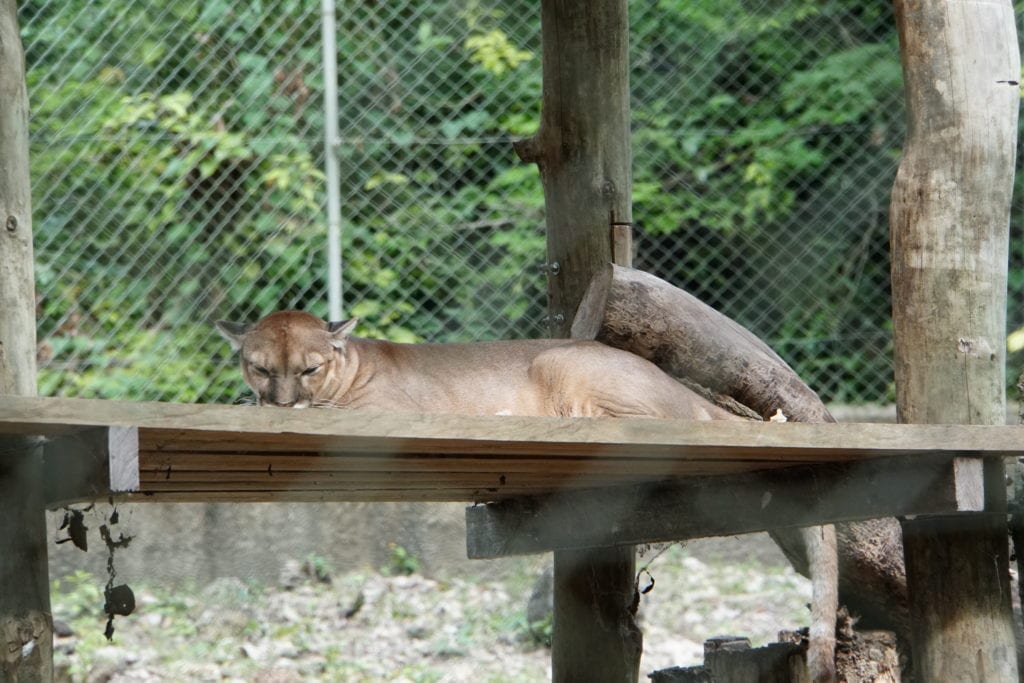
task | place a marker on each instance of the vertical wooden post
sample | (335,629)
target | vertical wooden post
(26,626)
(583,145)
(950,218)
(583,151)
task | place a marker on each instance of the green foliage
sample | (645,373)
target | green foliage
(319,568)
(80,595)
(400,562)
(176,164)
(776,135)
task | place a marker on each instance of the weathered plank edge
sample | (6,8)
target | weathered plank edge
(236,427)
(720,506)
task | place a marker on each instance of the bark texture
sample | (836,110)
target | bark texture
(949,218)
(26,626)
(583,145)
(583,151)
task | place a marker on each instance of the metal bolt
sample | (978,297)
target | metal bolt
(552,268)
(12,223)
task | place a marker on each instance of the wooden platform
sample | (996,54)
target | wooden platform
(180,452)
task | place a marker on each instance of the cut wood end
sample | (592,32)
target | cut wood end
(123,446)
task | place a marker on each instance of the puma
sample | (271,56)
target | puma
(294,359)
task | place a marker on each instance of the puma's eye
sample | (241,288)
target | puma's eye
(312,369)
(261,371)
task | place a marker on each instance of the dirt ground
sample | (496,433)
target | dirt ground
(392,623)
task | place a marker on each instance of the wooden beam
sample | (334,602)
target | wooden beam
(26,626)
(193,452)
(583,146)
(722,506)
(950,216)
(170,428)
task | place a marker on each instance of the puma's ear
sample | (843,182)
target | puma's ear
(340,332)
(233,332)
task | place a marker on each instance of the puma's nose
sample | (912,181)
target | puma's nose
(280,404)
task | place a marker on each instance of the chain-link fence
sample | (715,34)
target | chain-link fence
(177,156)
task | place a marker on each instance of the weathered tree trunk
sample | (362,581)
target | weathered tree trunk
(583,145)
(26,627)
(949,217)
(633,310)
(583,151)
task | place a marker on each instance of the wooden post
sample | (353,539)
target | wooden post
(583,151)
(26,626)
(950,217)
(583,145)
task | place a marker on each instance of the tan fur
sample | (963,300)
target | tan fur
(294,359)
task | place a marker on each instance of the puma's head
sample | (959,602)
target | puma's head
(288,357)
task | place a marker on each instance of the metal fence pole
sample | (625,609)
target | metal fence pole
(331,170)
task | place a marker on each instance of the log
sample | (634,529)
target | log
(583,144)
(949,217)
(26,626)
(596,600)
(636,311)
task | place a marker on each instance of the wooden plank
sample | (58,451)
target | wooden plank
(257,481)
(718,506)
(157,464)
(412,474)
(354,495)
(455,458)
(238,429)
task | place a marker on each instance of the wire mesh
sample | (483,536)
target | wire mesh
(177,151)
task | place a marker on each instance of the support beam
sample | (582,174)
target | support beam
(595,636)
(949,217)
(699,507)
(26,626)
